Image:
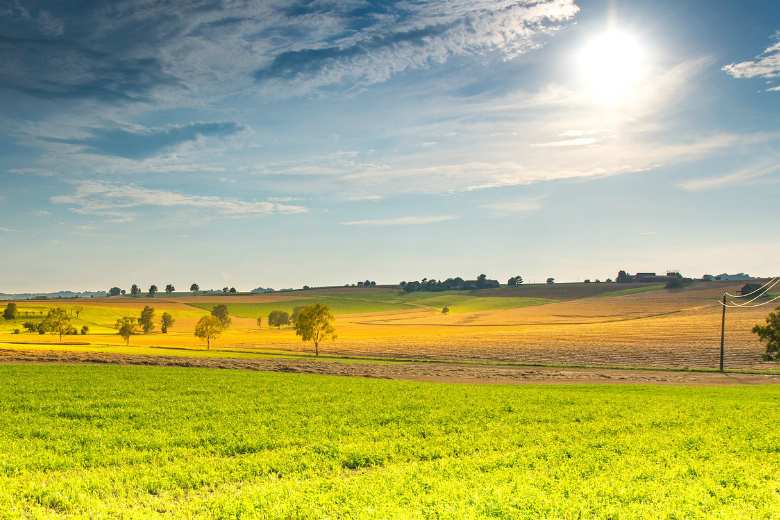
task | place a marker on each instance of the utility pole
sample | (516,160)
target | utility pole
(723,334)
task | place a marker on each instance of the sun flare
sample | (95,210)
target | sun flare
(611,65)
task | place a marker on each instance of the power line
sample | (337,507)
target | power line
(774,279)
(764,290)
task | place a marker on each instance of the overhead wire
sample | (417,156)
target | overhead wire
(774,279)
(760,292)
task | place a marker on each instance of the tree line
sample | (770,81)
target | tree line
(312,323)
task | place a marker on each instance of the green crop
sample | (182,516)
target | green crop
(146,442)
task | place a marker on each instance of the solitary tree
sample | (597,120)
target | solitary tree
(260,321)
(166,322)
(221,313)
(11,312)
(551,280)
(208,328)
(194,289)
(232,290)
(145,321)
(134,290)
(770,333)
(169,289)
(152,291)
(114,291)
(445,310)
(515,280)
(126,328)
(77,309)
(279,318)
(315,323)
(57,321)
(225,290)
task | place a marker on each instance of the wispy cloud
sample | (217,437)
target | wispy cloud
(402,221)
(102,198)
(580,141)
(38,172)
(9,230)
(141,143)
(765,65)
(742,176)
(520,207)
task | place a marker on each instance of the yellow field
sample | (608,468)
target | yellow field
(656,328)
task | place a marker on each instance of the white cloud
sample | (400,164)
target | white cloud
(40,213)
(582,141)
(102,198)
(743,176)
(9,230)
(402,221)
(520,207)
(40,172)
(765,65)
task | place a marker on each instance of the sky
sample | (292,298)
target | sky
(277,143)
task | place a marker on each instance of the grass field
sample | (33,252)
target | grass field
(138,442)
(384,301)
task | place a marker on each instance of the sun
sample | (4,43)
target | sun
(612,65)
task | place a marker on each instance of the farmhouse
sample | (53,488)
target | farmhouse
(473,284)
(751,289)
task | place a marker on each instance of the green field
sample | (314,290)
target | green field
(99,319)
(379,301)
(141,442)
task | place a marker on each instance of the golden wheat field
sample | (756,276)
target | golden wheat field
(655,328)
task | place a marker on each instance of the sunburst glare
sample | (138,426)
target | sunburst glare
(611,65)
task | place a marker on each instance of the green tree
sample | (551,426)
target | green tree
(57,321)
(770,334)
(166,322)
(145,321)
(126,328)
(77,309)
(295,311)
(114,291)
(260,321)
(315,323)
(221,313)
(135,290)
(232,290)
(29,325)
(445,310)
(152,291)
(551,281)
(194,289)
(208,328)
(11,311)
(169,289)
(278,318)
(515,280)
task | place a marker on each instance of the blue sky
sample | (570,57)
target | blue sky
(279,143)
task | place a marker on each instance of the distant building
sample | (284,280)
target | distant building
(473,284)
(752,289)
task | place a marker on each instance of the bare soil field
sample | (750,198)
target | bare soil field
(432,372)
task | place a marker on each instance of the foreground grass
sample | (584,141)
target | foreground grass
(139,442)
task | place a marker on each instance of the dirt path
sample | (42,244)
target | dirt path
(433,372)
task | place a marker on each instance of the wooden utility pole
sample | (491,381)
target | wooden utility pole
(723,334)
